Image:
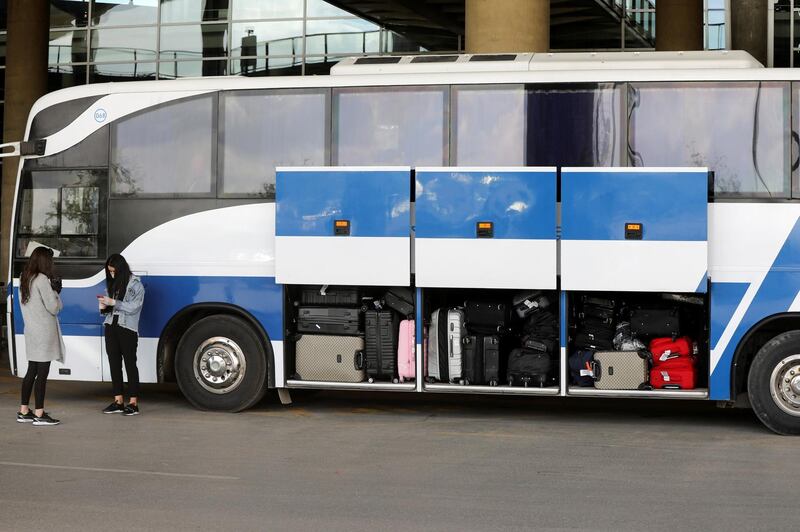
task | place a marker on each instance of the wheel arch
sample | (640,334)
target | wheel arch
(755,338)
(177,326)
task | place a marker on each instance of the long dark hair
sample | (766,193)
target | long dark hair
(117,285)
(40,261)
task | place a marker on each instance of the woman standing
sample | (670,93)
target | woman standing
(40,306)
(122,305)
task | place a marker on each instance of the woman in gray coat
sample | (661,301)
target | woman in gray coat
(40,305)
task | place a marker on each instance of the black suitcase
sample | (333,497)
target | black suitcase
(481,359)
(594,334)
(491,360)
(380,328)
(528,368)
(485,318)
(339,321)
(401,300)
(329,296)
(650,322)
(472,354)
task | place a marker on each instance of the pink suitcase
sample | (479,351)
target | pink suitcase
(406,363)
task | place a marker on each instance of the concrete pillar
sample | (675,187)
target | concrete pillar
(679,25)
(26,80)
(497,26)
(749,27)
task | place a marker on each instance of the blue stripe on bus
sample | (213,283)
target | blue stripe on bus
(165,296)
(772,297)
(725,298)
(521,205)
(376,202)
(563,313)
(671,206)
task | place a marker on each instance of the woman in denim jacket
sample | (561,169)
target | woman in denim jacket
(122,305)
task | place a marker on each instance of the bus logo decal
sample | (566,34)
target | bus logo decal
(100,115)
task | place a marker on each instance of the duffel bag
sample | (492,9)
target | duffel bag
(664,349)
(655,322)
(528,368)
(677,373)
(581,369)
(485,317)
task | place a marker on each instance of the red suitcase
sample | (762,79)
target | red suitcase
(664,349)
(677,373)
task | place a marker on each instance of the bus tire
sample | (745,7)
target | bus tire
(773,384)
(221,364)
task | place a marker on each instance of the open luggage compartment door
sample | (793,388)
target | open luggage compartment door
(343,225)
(634,229)
(485,227)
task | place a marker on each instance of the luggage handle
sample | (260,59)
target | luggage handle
(358,360)
(597,369)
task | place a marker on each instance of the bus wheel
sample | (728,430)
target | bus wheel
(220,364)
(773,383)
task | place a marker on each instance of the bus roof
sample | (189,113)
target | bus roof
(564,61)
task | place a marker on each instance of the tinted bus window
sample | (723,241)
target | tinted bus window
(738,130)
(399,126)
(574,126)
(260,130)
(489,125)
(167,150)
(64,210)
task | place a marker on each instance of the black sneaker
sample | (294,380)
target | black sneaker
(114,408)
(131,410)
(25,418)
(45,419)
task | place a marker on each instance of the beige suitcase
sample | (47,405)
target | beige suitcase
(621,370)
(330,358)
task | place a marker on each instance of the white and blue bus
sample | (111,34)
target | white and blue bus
(222,194)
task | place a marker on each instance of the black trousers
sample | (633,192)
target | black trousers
(121,345)
(35,380)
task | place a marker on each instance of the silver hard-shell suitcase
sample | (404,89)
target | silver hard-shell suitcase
(621,370)
(330,358)
(444,345)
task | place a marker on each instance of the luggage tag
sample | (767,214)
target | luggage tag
(667,355)
(588,371)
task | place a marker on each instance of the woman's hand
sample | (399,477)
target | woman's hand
(107,301)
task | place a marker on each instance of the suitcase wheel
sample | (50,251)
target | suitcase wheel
(511,381)
(463,382)
(370,380)
(396,380)
(493,382)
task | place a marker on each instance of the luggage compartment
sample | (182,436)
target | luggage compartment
(474,333)
(347,337)
(609,335)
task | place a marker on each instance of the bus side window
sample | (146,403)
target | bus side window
(63,210)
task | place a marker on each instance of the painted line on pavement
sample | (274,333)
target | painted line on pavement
(133,471)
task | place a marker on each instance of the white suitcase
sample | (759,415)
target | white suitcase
(444,345)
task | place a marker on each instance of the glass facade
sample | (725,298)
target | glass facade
(118,40)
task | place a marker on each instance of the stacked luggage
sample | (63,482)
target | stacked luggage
(464,343)
(640,349)
(344,337)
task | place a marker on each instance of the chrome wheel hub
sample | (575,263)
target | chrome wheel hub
(785,385)
(219,365)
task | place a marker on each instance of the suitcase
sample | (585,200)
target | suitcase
(473,359)
(528,368)
(677,373)
(444,345)
(380,330)
(664,349)
(581,369)
(655,322)
(481,357)
(401,300)
(330,358)
(621,370)
(406,351)
(329,296)
(491,360)
(485,318)
(339,321)
(594,335)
